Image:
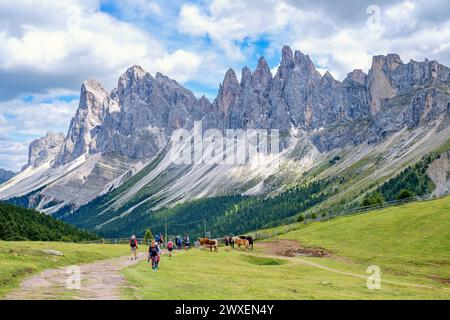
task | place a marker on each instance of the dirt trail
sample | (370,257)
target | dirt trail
(100,280)
(292,250)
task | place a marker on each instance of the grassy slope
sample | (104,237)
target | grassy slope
(20,259)
(410,244)
(411,240)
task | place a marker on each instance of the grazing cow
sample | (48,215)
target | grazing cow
(249,238)
(202,242)
(242,242)
(212,244)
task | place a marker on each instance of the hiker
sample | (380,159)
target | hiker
(161,239)
(170,247)
(133,247)
(226,241)
(186,242)
(154,255)
(178,241)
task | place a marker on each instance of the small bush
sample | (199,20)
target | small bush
(404,194)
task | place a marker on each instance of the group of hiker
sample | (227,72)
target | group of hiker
(154,251)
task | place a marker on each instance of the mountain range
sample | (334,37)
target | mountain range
(113,165)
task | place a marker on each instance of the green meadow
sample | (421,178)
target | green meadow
(410,244)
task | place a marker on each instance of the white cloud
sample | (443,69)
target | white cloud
(229,21)
(336,41)
(181,64)
(75,42)
(35,119)
(22,122)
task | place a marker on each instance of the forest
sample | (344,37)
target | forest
(18,223)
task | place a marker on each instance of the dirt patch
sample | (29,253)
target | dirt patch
(441,280)
(291,248)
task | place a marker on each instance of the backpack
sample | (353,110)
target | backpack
(154,251)
(170,245)
(133,243)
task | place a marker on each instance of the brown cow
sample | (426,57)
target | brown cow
(212,244)
(202,242)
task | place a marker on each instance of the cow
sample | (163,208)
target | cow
(212,244)
(202,242)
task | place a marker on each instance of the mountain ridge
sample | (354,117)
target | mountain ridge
(115,135)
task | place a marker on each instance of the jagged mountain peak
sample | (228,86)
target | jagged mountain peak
(230,79)
(93,85)
(391,61)
(358,76)
(286,54)
(45,149)
(135,72)
(139,116)
(246,77)
(262,75)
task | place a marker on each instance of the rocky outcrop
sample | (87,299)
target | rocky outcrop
(45,149)
(84,127)
(147,110)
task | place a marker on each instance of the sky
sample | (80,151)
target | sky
(48,47)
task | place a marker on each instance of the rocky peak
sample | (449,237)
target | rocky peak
(246,77)
(204,104)
(262,76)
(356,76)
(230,80)
(379,80)
(286,64)
(93,93)
(84,126)
(304,62)
(45,149)
(129,83)
(328,77)
(228,91)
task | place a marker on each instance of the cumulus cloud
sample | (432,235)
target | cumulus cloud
(75,41)
(22,122)
(228,22)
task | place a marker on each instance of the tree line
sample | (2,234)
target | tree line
(18,223)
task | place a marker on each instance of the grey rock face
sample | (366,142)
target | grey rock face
(45,149)
(147,110)
(136,119)
(86,124)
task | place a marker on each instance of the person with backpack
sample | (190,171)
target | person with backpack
(178,241)
(133,247)
(170,247)
(154,255)
(186,242)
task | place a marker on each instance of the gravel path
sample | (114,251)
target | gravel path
(100,280)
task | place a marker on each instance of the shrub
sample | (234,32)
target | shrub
(404,194)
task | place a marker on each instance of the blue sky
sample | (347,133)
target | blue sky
(48,47)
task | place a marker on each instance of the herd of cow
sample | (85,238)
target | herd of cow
(233,242)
